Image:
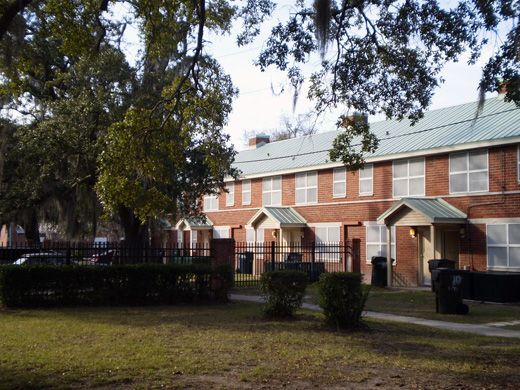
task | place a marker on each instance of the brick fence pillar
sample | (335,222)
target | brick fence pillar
(223,251)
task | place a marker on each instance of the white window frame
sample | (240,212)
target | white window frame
(506,245)
(408,177)
(342,173)
(517,163)
(213,199)
(221,229)
(271,191)
(323,247)
(371,179)
(306,187)
(382,244)
(468,171)
(246,189)
(230,195)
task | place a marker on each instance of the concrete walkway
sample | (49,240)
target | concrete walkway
(483,330)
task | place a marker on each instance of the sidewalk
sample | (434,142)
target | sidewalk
(483,330)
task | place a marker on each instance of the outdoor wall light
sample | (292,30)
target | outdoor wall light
(462,232)
(275,233)
(413,232)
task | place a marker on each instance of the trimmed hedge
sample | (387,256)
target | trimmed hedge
(342,298)
(143,284)
(284,291)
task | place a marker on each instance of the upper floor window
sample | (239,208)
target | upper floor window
(408,177)
(366,180)
(272,191)
(469,171)
(518,163)
(503,246)
(339,183)
(230,195)
(246,192)
(306,188)
(210,202)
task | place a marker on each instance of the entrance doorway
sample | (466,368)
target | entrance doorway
(425,254)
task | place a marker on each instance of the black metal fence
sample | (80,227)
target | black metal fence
(62,253)
(314,258)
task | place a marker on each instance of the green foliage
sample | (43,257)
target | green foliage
(342,298)
(283,291)
(22,286)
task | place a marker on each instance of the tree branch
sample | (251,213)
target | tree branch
(10,13)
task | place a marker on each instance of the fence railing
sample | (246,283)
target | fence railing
(314,258)
(61,253)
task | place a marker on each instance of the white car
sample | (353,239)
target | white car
(47,258)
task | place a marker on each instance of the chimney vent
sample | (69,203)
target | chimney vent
(258,141)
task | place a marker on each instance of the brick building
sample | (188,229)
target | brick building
(447,187)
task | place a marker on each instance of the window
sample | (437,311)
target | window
(518,163)
(408,177)
(250,235)
(339,183)
(306,188)
(210,202)
(376,241)
(366,180)
(193,234)
(221,232)
(230,195)
(503,246)
(272,191)
(246,192)
(469,172)
(327,242)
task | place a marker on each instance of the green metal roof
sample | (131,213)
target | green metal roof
(197,223)
(457,125)
(435,210)
(282,216)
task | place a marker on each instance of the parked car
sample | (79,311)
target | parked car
(103,258)
(48,258)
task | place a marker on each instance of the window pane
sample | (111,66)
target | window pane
(373,250)
(266,198)
(496,234)
(246,197)
(417,167)
(276,198)
(311,179)
(300,195)
(458,162)
(478,181)
(478,160)
(339,189)
(401,168)
(400,187)
(382,234)
(514,234)
(260,235)
(458,183)
(339,174)
(250,234)
(417,186)
(365,186)
(300,180)
(277,181)
(366,172)
(373,234)
(514,257)
(312,195)
(321,234)
(333,234)
(266,185)
(497,257)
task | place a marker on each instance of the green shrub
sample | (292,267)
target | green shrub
(45,285)
(342,298)
(283,291)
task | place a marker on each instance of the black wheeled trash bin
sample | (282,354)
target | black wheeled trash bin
(448,291)
(245,263)
(439,263)
(379,271)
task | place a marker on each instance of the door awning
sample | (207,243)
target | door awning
(279,217)
(421,211)
(198,223)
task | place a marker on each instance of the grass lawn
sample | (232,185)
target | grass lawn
(418,304)
(231,346)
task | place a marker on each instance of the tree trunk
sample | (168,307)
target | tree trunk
(135,231)
(31,227)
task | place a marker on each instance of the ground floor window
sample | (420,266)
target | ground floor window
(221,232)
(376,241)
(503,246)
(327,242)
